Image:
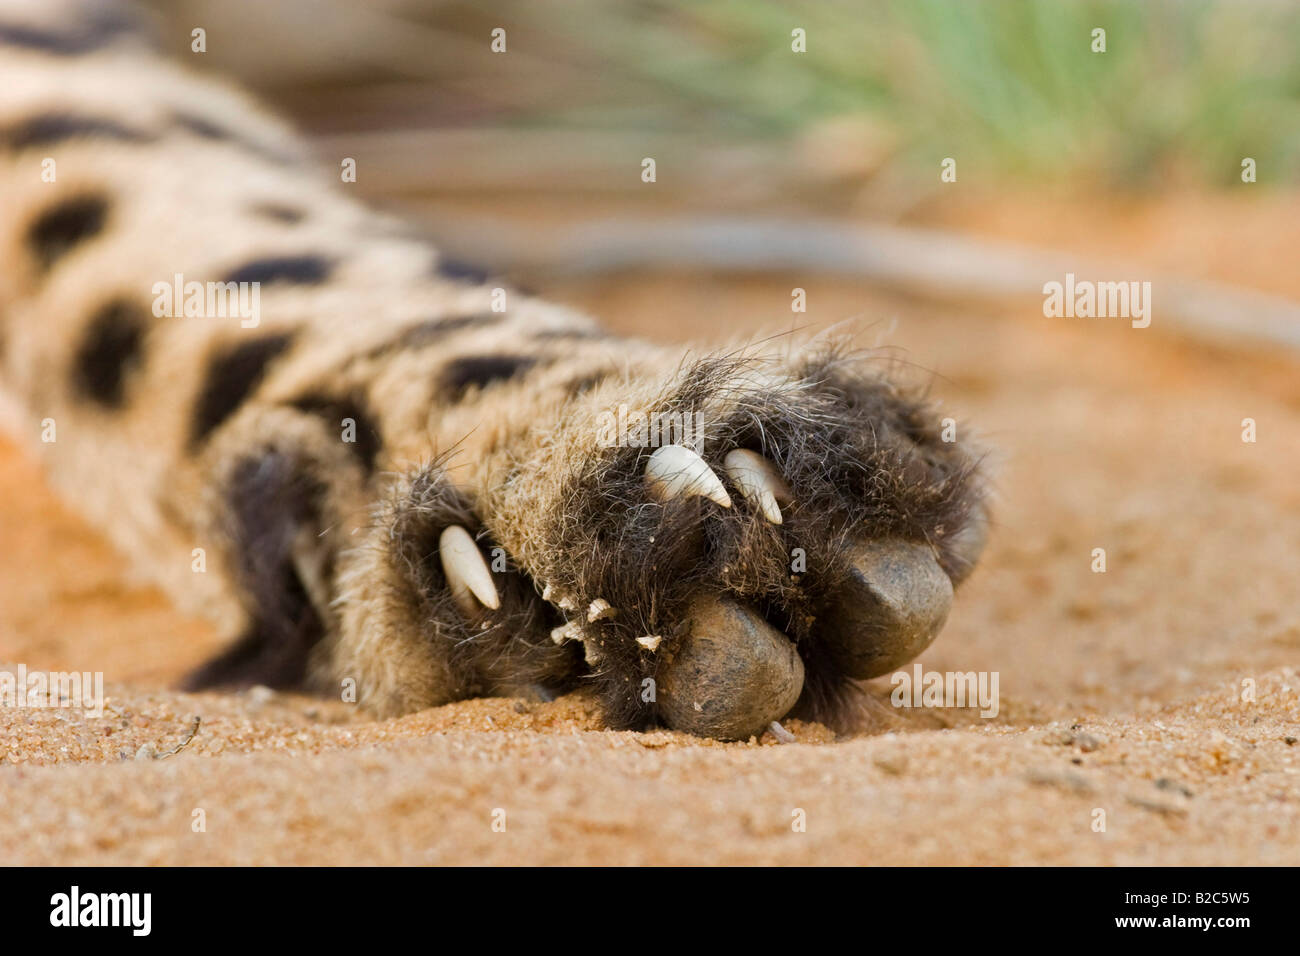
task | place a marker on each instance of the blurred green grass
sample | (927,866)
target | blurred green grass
(887,88)
(1184,91)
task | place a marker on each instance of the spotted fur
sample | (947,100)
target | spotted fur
(317,457)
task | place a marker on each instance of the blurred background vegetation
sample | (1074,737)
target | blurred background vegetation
(712,90)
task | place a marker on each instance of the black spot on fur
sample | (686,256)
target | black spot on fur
(585,383)
(208,129)
(111,345)
(231,377)
(461,271)
(201,126)
(333,410)
(278,212)
(55,128)
(480,371)
(65,224)
(303,270)
(434,330)
(93,28)
(269,499)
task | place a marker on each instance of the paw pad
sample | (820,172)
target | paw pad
(732,676)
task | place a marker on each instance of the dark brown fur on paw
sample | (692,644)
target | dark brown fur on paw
(814,489)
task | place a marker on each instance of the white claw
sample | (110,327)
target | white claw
(466,571)
(759,481)
(564,601)
(674,471)
(567,632)
(599,610)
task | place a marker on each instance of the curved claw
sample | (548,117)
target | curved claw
(674,471)
(759,481)
(467,573)
(733,675)
(895,603)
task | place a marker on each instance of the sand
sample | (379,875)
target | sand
(1149,714)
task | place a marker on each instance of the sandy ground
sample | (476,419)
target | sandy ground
(1164,692)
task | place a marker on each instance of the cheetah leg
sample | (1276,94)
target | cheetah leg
(281,495)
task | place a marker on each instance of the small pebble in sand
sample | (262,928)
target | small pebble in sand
(1165,783)
(895,766)
(1073,737)
(1089,742)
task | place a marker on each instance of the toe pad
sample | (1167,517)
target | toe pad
(733,675)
